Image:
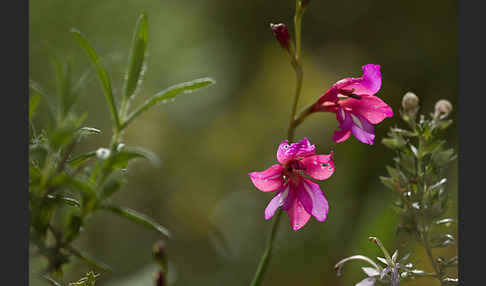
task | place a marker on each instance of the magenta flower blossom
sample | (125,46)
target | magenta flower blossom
(297,195)
(360,109)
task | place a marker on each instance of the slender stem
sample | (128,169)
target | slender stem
(429,253)
(293,123)
(262,266)
(299,74)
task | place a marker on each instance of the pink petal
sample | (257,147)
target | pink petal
(287,153)
(319,167)
(313,200)
(283,197)
(341,135)
(330,97)
(362,129)
(371,108)
(368,84)
(268,180)
(297,215)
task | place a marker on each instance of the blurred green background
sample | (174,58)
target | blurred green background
(208,142)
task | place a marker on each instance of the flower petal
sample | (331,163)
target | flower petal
(369,281)
(319,167)
(371,108)
(362,129)
(341,135)
(313,200)
(330,97)
(277,201)
(297,215)
(268,180)
(345,124)
(301,149)
(368,84)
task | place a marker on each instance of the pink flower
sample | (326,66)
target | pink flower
(297,195)
(360,109)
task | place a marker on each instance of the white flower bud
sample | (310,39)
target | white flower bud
(443,108)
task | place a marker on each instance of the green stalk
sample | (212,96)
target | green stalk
(262,266)
(293,123)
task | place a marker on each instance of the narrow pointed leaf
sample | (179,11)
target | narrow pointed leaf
(63,199)
(84,257)
(134,75)
(51,281)
(120,160)
(111,187)
(102,74)
(137,218)
(168,94)
(34,101)
(50,106)
(81,159)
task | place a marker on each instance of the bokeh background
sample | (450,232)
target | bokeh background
(208,142)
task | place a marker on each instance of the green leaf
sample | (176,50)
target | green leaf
(388,182)
(119,160)
(102,74)
(50,106)
(134,75)
(111,186)
(443,241)
(84,257)
(403,132)
(62,136)
(450,281)
(34,101)
(430,147)
(137,218)
(81,159)
(64,87)
(443,157)
(168,94)
(445,221)
(51,281)
(88,280)
(66,200)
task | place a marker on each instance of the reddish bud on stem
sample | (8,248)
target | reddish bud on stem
(282,35)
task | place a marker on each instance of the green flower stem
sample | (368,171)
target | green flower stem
(421,180)
(293,123)
(262,266)
(430,256)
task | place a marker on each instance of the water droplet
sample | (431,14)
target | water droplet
(315,163)
(375,106)
(330,168)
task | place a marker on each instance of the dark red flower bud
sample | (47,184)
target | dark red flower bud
(160,279)
(304,3)
(281,33)
(159,254)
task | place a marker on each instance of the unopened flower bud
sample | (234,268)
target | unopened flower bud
(282,35)
(160,279)
(159,254)
(443,108)
(410,103)
(304,3)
